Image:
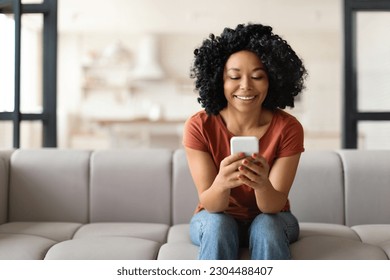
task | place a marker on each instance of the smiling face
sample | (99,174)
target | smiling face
(245,81)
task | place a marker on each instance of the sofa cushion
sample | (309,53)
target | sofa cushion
(188,251)
(378,235)
(55,231)
(334,248)
(23,247)
(184,194)
(318,247)
(154,232)
(104,248)
(315,229)
(179,239)
(179,233)
(178,251)
(49,185)
(386,247)
(367,186)
(3,190)
(131,186)
(5,156)
(373,234)
(317,194)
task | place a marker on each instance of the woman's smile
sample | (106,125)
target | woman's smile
(245,97)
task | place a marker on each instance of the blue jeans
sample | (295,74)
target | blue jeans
(219,236)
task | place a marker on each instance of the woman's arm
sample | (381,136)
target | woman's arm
(271,186)
(214,185)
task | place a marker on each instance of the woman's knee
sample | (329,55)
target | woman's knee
(267,222)
(221,223)
(216,224)
(273,225)
(216,234)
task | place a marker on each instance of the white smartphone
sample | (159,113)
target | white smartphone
(244,144)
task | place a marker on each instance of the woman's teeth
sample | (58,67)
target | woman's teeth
(244,97)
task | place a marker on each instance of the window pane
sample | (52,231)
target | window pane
(7,63)
(6,128)
(30,134)
(374,135)
(31,64)
(373,61)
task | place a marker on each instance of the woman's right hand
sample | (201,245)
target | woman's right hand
(228,175)
(214,185)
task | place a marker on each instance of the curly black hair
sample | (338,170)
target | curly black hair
(286,72)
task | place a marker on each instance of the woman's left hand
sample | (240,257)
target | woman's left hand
(254,171)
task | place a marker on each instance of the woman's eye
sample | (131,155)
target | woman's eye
(257,77)
(234,78)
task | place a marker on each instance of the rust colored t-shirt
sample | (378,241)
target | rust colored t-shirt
(208,133)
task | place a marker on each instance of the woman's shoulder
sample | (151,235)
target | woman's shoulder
(200,115)
(202,118)
(200,130)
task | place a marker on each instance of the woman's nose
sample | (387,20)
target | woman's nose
(245,83)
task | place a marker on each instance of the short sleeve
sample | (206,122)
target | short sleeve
(292,140)
(193,136)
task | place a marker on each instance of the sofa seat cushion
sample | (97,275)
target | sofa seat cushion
(23,247)
(386,247)
(334,248)
(51,230)
(179,245)
(314,229)
(373,234)
(377,234)
(316,241)
(188,251)
(150,231)
(178,251)
(104,248)
(179,233)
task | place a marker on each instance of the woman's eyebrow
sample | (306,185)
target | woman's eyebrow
(255,69)
(233,69)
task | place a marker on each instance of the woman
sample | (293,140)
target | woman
(244,78)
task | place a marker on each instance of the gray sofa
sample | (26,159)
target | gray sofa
(136,204)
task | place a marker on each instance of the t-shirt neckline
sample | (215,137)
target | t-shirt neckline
(223,124)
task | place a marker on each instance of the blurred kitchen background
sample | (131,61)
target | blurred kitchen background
(123,68)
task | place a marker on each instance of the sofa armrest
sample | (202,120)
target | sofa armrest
(4,179)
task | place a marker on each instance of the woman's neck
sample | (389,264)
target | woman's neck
(247,124)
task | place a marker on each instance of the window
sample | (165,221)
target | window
(28,73)
(367,68)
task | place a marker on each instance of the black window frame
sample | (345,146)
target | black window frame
(48,117)
(352,116)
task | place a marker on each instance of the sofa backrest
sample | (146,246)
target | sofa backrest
(49,185)
(345,187)
(4,172)
(184,194)
(131,186)
(317,194)
(367,186)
